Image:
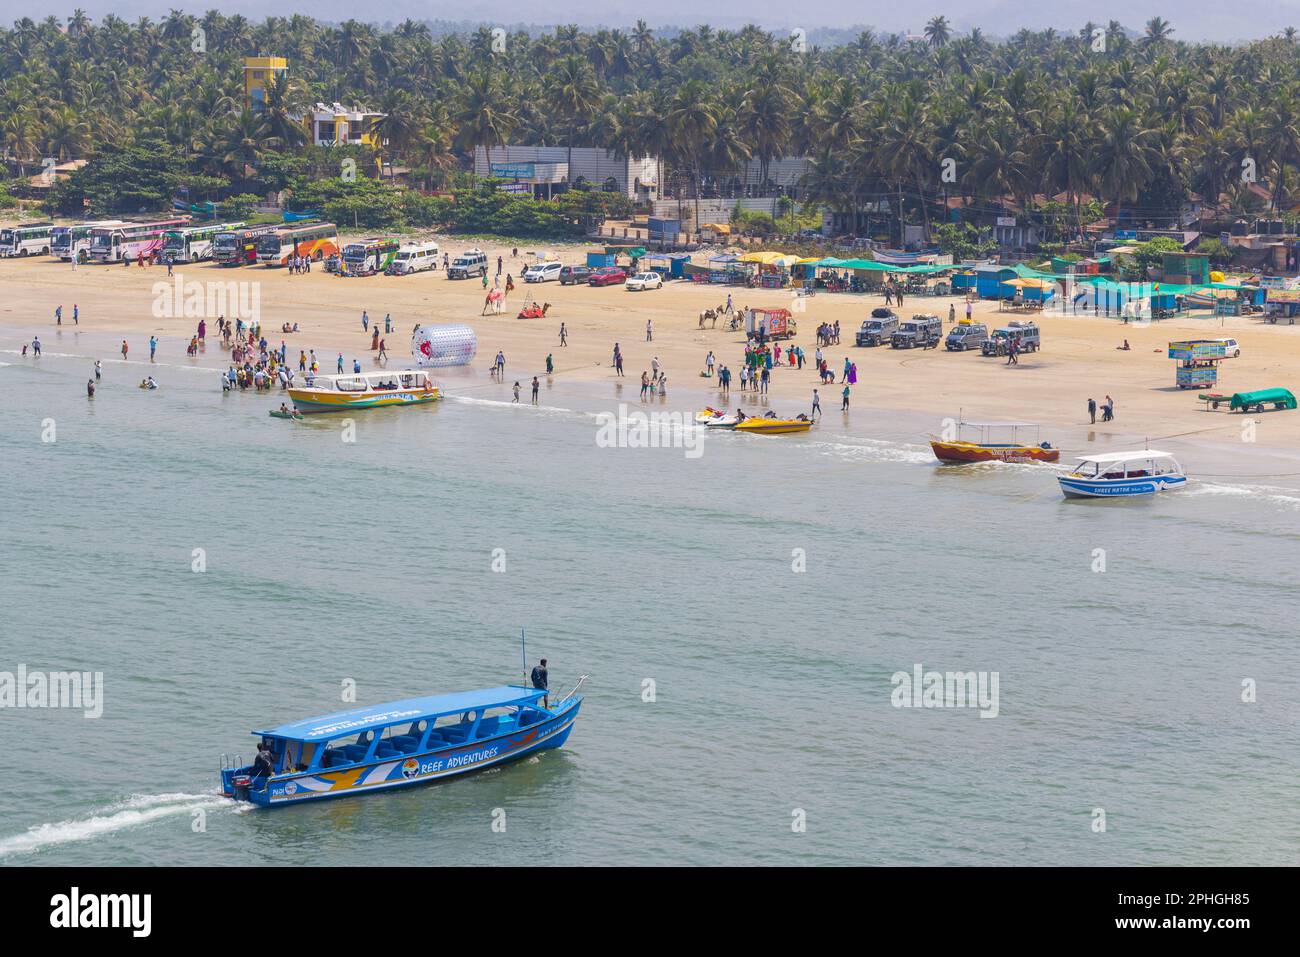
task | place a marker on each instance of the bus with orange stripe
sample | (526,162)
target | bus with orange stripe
(316,241)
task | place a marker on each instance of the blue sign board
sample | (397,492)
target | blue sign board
(513,170)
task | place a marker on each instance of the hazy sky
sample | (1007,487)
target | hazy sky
(1192,19)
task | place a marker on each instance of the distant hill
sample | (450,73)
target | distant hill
(1191,19)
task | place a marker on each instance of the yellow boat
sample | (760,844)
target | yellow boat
(365,390)
(762,426)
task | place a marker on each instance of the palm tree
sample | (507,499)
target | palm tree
(693,119)
(479,117)
(937,31)
(573,96)
(1122,159)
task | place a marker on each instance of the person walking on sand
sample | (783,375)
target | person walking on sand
(952,312)
(649,331)
(124,348)
(383,353)
(550,363)
(564,336)
(708,364)
(76,316)
(817,405)
(1092,410)
(516,390)
(1108,410)
(365,321)
(339,367)
(968,308)
(58,315)
(36,346)
(844,407)
(153,347)
(536,388)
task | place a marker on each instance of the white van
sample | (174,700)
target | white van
(543,272)
(1230,347)
(415,257)
(471,263)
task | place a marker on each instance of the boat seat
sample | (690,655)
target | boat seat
(405,743)
(387,751)
(455,735)
(528,717)
(355,752)
(335,758)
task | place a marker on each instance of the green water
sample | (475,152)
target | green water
(372,562)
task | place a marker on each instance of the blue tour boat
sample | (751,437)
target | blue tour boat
(401,743)
(1123,475)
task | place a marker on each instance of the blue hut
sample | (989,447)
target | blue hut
(989,282)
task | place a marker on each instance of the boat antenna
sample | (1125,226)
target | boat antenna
(523,654)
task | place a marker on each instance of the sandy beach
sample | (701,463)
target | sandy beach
(1079,359)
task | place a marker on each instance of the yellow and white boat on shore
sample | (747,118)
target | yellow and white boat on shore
(764,426)
(365,390)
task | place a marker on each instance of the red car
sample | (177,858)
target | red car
(608,276)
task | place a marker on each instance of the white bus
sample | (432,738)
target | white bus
(191,244)
(111,244)
(27,239)
(415,257)
(74,240)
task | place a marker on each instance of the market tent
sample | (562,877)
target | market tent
(721,228)
(1029,283)
(766,258)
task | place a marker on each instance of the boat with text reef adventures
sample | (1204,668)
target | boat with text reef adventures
(400,743)
(365,390)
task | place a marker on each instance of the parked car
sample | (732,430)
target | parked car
(1231,348)
(645,280)
(467,264)
(966,335)
(607,276)
(879,329)
(572,275)
(542,272)
(1026,332)
(924,331)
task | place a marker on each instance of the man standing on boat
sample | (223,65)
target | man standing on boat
(539,679)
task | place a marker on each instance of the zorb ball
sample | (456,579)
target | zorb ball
(438,347)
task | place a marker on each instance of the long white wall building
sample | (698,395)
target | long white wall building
(540,165)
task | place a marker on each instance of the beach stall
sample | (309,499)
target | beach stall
(1198,362)
(963,281)
(668,265)
(991,281)
(599,260)
(1028,293)
(770,269)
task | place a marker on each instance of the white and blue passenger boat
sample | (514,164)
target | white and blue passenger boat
(1123,475)
(400,743)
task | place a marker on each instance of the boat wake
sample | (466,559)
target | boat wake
(137,810)
(1285,497)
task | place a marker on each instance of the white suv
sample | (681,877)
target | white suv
(472,263)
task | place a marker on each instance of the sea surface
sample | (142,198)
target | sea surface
(740,614)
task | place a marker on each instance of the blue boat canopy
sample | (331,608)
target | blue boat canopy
(357,720)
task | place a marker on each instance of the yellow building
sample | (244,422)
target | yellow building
(259,72)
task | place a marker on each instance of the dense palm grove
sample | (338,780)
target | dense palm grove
(1138,121)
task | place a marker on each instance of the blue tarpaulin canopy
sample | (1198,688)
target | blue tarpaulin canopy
(410,709)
